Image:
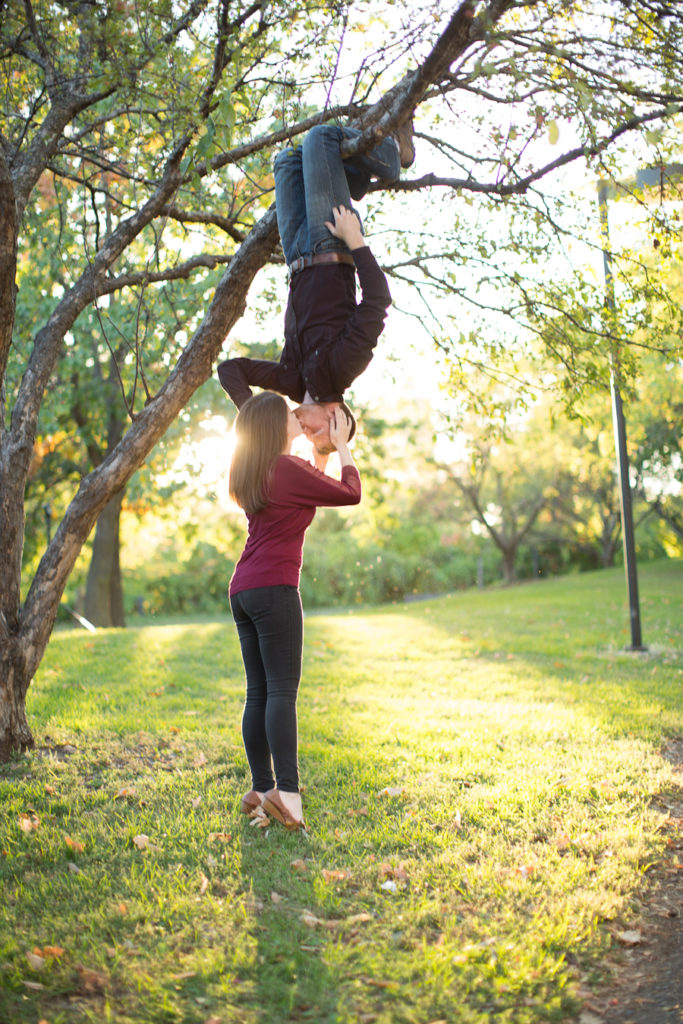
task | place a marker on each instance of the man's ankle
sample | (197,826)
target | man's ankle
(403,136)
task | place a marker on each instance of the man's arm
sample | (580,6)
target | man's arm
(354,347)
(238,376)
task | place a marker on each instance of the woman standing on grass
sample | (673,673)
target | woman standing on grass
(279,494)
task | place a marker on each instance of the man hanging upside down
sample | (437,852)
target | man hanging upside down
(329,337)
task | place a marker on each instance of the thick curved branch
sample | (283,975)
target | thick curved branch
(191,370)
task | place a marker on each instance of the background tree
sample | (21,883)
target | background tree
(506,486)
(157,126)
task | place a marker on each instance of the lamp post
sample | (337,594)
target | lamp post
(647,177)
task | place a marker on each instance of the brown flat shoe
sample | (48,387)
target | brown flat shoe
(250,801)
(273,805)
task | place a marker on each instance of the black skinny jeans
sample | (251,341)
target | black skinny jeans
(270,626)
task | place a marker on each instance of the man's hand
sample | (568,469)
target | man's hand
(346,227)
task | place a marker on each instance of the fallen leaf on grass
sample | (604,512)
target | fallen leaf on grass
(220,837)
(35,986)
(299,865)
(37,962)
(73,868)
(184,976)
(629,938)
(50,790)
(28,822)
(203,883)
(378,982)
(259,818)
(141,841)
(260,823)
(526,871)
(387,870)
(74,844)
(53,951)
(562,842)
(335,876)
(126,791)
(391,791)
(91,981)
(196,802)
(276,897)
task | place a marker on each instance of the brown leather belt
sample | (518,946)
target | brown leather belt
(319,257)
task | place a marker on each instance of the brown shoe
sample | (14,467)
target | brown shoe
(404,140)
(250,802)
(273,805)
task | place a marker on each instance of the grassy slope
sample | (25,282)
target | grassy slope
(520,743)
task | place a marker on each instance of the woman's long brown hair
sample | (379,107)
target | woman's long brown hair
(260,437)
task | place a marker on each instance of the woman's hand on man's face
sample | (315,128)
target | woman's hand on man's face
(340,428)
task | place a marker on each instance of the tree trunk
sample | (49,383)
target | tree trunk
(671,521)
(25,631)
(509,557)
(610,541)
(15,734)
(104,592)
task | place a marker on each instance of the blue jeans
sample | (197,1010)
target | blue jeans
(270,626)
(312,178)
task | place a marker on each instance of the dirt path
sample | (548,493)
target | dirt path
(648,988)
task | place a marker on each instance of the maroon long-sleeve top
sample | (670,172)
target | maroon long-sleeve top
(273,553)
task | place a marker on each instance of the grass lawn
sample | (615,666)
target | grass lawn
(483,787)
